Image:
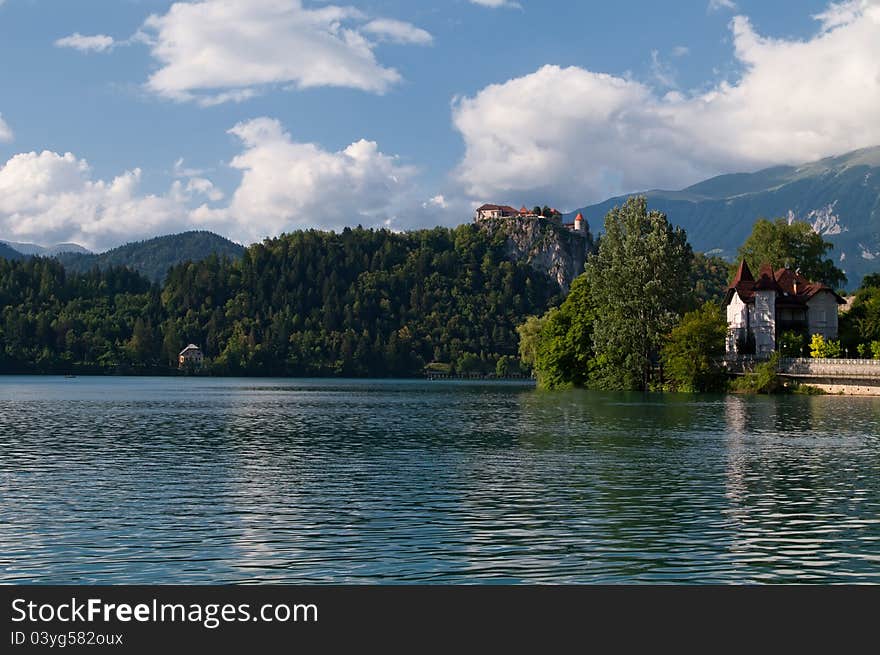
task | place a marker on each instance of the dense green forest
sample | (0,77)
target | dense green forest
(378,303)
(361,302)
(154,257)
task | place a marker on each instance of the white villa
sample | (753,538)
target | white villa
(759,311)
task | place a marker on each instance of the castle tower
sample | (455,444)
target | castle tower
(579,224)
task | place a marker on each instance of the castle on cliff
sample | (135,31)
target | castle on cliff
(487,212)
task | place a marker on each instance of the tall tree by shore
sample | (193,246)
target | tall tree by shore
(639,284)
(609,331)
(791,244)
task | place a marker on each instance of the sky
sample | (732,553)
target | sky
(125,119)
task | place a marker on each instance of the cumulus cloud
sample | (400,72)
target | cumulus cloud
(397,31)
(288,185)
(285,185)
(48,197)
(227,50)
(576,136)
(77,41)
(5,130)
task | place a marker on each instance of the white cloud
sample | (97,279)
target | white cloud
(5,130)
(663,73)
(495,4)
(436,201)
(96,43)
(397,31)
(49,197)
(574,136)
(287,185)
(680,51)
(718,5)
(181,170)
(228,50)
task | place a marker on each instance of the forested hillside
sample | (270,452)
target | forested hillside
(357,303)
(154,257)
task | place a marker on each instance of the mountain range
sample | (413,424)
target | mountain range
(838,196)
(153,257)
(32,249)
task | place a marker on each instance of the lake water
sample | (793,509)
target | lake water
(193,480)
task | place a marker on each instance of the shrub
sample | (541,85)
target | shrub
(807,390)
(819,348)
(875,349)
(691,350)
(761,380)
(791,344)
(506,366)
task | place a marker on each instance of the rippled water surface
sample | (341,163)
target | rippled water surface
(186,480)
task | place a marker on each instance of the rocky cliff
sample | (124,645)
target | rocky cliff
(544,244)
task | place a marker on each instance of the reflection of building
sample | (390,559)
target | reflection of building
(759,311)
(191,357)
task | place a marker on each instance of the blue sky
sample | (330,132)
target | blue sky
(448,104)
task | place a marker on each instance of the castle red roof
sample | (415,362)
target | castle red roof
(503,208)
(579,217)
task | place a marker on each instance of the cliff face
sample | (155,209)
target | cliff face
(544,245)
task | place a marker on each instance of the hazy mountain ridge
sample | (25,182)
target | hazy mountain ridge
(153,257)
(47,251)
(839,196)
(8,252)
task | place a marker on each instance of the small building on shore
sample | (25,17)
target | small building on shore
(191,357)
(760,310)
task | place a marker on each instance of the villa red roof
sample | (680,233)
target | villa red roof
(791,286)
(766,279)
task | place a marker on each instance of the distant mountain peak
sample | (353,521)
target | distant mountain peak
(153,257)
(46,251)
(839,196)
